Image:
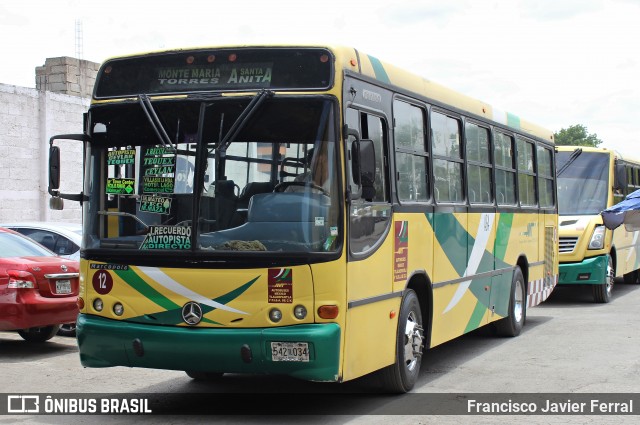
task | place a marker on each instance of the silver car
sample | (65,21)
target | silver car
(62,238)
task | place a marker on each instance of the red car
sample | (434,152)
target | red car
(38,289)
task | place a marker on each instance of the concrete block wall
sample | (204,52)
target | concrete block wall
(28,118)
(67,75)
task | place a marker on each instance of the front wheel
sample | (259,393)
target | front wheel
(602,292)
(513,323)
(401,376)
(39,334)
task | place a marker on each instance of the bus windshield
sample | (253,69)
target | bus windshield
(583,179)
(215,176)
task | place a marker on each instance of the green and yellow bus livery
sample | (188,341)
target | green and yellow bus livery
(302,210)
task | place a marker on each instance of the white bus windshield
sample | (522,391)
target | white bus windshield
(582,182)
(270,186)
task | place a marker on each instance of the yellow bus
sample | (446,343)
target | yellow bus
(591,180)
(301,210)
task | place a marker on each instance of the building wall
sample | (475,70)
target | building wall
(28,118)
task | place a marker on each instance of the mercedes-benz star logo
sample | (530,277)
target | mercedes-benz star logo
(192,313)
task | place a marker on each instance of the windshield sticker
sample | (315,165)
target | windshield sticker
(400,251)
(280,284)
(158,170)
(155,204)
(167,237)
(319,221)
(121,157)
(154,184)
(120,186)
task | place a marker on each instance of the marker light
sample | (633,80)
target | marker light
(275,315)
(233,57)
(80,303)
(190,59)
(211,58)
(597,239)
(324,58)
(300,312)
(328,311)
(97,304)
(118,309)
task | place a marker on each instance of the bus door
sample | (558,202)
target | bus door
(370,332)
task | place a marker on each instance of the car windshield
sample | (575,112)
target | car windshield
(583,182)
(12,245)
(219,176)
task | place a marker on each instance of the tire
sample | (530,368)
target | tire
(602,292)
(511,325)
(631,278)
(39,334)
(401,376)
(67,329)
(203,376)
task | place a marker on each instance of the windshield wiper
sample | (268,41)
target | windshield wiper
(155,122)
(242,120)
(576,153)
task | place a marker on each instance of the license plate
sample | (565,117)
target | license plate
(63,286)
(290,351)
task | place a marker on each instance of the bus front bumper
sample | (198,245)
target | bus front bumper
(105,343)
(590,271)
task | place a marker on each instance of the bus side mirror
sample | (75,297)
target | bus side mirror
(56,202)
(54,170)
(620,178)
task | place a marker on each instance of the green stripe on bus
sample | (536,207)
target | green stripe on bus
(378,68)
(503,232)
(139,284)
(476,317)
(452,237)
(513,121)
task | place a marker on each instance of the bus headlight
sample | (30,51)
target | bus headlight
(300,312)
(275,315)
(597,239)
(97,304)
(118,309)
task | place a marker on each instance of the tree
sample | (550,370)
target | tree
(576,135)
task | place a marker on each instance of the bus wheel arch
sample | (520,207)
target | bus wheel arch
(401,376)
(512,324)
(602,292)
(421,284)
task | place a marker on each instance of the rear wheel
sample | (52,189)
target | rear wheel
(39,334)
(631,278)
(401,376)
(512,324)
(602,292)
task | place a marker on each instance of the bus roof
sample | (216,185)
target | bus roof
(352,60)
(616,154)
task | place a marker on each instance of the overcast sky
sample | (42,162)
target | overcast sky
(554,62)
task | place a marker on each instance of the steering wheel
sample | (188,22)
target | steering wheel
(281,187)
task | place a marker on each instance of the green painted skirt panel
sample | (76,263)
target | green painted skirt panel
(576,273)
(105,343)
